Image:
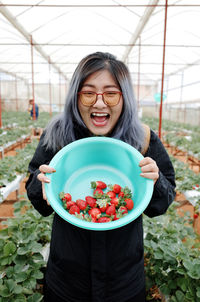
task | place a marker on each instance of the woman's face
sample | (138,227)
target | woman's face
(100,118)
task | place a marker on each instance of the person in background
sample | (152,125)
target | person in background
(99,266)
(32,104)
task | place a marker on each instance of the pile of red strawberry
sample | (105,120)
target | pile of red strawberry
(108,203)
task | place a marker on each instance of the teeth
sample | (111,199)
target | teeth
(99,114)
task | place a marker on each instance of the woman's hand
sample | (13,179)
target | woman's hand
(149,169)
(42,177)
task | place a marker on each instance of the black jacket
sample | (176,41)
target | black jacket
(100,266)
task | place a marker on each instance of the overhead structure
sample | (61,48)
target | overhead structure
(61,33)
(138,31)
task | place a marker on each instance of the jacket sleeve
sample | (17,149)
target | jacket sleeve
(164,189)
(33,185)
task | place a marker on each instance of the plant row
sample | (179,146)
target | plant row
(13,135)
(171,255)
(172,261)
(22,119)
(184,137)
(18,164)
(21,262)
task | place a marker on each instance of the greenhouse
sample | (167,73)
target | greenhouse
(145,120)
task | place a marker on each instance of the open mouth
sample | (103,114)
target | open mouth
(99,119)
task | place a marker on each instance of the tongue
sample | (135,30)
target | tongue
(99,119)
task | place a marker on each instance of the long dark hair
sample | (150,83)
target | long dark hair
(69,126)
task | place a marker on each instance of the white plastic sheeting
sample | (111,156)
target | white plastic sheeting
(63,32)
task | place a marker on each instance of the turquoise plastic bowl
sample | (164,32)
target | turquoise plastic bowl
(97,158)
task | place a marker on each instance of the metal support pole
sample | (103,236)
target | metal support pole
(33,87)
(0,106)
(59,92)
(16,94)
(50,102)
(181,93)
(163,68)
(138,87)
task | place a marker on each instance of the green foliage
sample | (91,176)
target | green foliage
(21,261)
(184,137)
(13,135)
(22,119)
(13,165)
(172,251)
(185,177)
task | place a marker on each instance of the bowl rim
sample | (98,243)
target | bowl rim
(90,225)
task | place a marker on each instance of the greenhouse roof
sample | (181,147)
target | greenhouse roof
(63,32)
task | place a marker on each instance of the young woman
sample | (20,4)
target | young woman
(99,266)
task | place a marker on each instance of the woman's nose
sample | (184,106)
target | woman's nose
(100,102)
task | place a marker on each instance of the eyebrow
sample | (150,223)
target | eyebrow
(107,86)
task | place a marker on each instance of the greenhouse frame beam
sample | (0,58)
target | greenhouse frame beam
(142,22)
(13,75)
(97,5)
(184,68)
(5,12)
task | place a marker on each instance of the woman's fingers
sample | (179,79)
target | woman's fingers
(149,169)
(42,177)
(46,169)
(44,194)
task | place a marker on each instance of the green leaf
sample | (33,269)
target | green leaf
(158,255)
(165,289)
(9,249)
(37,297)
(20,277)
(180,296)
(10,284)
(18,289)
(30,283)
(23,250)
(198,292)
(20,298)
(37,275)
(182,283)
(4,291)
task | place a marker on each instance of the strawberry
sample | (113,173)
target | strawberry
(116,188)
(121,194)
(104,219)
(98,184)
(91,201)
(95,213)
(115,201)
(93,219)
(111,194)
(69,204)
(74,209)
(115,217)
(129,203)
(123,210)
(103,209)
(97,192)
(82,204)
(67,197)
(111,210)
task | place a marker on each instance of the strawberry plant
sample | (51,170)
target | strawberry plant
(172,256)
(13,165)
(21,262)
(185,177)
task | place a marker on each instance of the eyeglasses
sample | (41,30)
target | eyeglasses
(110,98)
